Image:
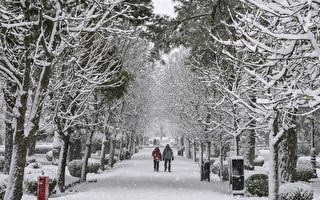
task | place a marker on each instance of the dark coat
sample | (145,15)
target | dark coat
(167,153)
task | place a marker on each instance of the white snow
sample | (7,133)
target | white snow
(135,180)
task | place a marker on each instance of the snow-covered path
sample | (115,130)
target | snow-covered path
(135,180)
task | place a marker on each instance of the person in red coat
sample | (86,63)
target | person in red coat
(156,158)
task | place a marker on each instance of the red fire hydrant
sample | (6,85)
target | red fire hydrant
(43,187)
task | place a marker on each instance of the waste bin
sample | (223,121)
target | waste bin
(127,155)
(180,152)
(43,188)
(236,175)
(136,150)
(205,171)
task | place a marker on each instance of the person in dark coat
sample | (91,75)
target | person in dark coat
(156,158)
(167,157)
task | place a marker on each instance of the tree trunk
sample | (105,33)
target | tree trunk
(130,146)
(32,146)
(187,147)
(121,154)
(288,156)
(32,139)
(194,151)
(86,156)
(14,186)
(221,157)
(250,155)
(200,153)
(134,138)
(274,179)
(103,153)
(274,182)
(61,171)
(10,100)
(111,155)
(208,150)
(236,143)
(252,135)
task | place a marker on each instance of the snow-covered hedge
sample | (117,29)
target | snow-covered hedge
(75,167)
(259,161)
(30,182)
(33,163)
(304,169)
(295,191)
(257,184)
(93,165)
(43,148)
(216,169)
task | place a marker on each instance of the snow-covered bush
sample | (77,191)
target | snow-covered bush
(43,149)
(75,167)
(304,173)
(49,155)
(304,169)
(295,191)
(93,165)
(216,170)
(257,184)
(30,182)
(259,161)
(34,165)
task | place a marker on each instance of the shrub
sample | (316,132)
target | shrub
(34,165)
(216,170)
(295,191)
(259,161)
(30,183)
(43,149)
(31,186)
(93,165)
(304,173)
(75,167)
(304,169)
(49,155)
(257,184)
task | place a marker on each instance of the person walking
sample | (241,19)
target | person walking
(167,157)
(157,157)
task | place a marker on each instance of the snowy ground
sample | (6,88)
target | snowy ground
(135,180)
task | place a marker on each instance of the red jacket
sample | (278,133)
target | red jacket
(156,154)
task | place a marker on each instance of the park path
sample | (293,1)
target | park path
(135,180)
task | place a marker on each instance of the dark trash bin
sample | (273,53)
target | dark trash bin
(127,155)
(136,150)
(236,175)
(180,152)
(205,171)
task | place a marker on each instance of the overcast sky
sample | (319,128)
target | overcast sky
(164,7)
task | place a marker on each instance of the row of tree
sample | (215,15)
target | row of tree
(73,68)
(251,70)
